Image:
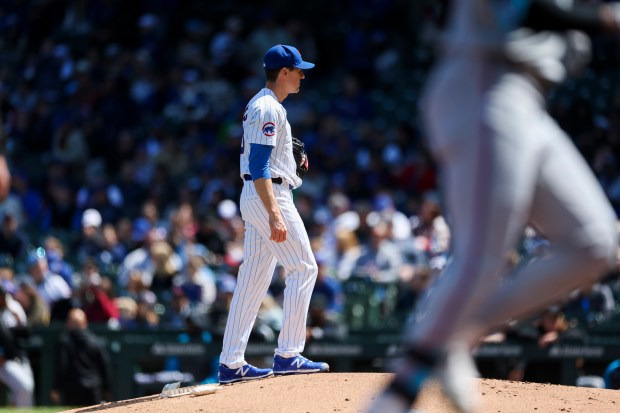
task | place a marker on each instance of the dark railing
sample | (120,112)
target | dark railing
(137,354)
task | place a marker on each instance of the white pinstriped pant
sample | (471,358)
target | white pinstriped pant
(255,274)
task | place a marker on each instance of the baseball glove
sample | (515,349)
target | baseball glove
(301,157)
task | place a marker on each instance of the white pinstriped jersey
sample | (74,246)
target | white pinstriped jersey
(264,122)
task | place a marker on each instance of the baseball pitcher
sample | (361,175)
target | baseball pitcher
(272,164)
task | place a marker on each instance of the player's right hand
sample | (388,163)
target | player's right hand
(278,228)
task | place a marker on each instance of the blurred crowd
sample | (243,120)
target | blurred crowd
(123,120)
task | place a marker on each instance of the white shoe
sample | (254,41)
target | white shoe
(458,377)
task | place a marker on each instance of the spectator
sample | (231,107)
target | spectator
(166,266)
(125,234)
(234,228)
(143,233)
(411,291)
(55,252)
(266,34)
(82,368)
(303,36)
(323,323)
(29,196)
(328,290)
(132,191)
(143,260)
(13,239)
(358,57)
(37,311)
(549,327)
(352,104)
(138,290)
(146,317)
(591,305)
(98,306)
(349,250)
(430,231)
(69,146)
(90,242)
(552,326)
(11,311)
(226,46)
(218,91)
(51,287)
(11,205)
(205,367)
(112,251)
(15,370)
(7,273)
(380,258)
(226,284)
(173,159)
(128,312)
(198,283)
(150,211)
(100,193)
(62,210)
(182,234)
(177,311)
(210,235)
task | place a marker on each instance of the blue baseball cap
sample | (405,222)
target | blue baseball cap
(284,56)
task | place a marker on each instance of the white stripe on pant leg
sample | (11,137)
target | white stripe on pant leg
(252,283)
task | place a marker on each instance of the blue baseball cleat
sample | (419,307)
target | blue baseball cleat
(243,373)
(297,365)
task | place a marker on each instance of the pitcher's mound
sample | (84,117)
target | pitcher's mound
(352,392)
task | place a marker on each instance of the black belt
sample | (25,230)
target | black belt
(278,181)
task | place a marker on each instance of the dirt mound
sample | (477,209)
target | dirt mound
(351,392)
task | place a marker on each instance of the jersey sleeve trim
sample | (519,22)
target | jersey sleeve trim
(259,161)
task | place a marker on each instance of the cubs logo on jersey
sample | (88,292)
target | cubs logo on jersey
(269,129)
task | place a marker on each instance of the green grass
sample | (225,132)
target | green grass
(52,409)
